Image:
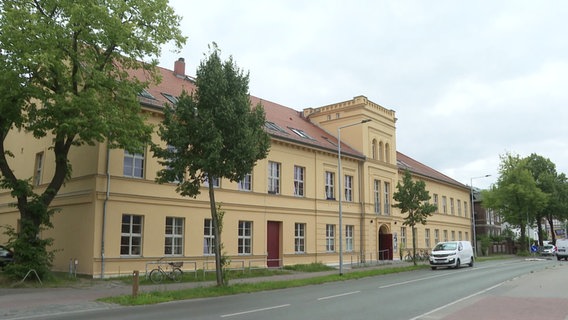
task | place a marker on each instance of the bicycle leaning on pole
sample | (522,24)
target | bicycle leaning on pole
(171,271)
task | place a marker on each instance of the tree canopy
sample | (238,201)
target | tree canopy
(64,77)
(515,195)
(212,133)
(412,199)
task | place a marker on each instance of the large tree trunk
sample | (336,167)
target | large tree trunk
(217,233)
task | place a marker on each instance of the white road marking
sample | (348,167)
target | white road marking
(457,301)
(254,310)
(411,281)
(338,295)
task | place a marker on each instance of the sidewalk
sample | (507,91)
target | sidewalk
(29,303)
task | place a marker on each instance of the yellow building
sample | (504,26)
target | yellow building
(115,219)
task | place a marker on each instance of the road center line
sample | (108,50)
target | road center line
(338,295)
(254,310)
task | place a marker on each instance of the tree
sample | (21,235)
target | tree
(65,79)
(515,195)
(212,133)
(413,199)
(545,176)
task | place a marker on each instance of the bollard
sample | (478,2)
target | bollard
(135,278)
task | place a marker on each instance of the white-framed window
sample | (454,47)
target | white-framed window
(403,236)
(436,202)
(299,238)
(329,185)
(208,237)
(174,236)
(330,237)
(459,207)
(133,165)
(444,205)
(445,235)
(452,209)
(427,238)
(273,177)
(465,209)
(387,198)
(436,236)
(349,230)
(453,235)
(131,235)
(299,176)
(459,235)
(377,195)
(38,168)
(348,188)
(246,183)
(245,238)
(215,182)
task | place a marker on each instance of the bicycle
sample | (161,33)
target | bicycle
(173,272)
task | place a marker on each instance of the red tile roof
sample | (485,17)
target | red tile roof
(405,162)
(286,120)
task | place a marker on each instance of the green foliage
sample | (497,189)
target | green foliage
(412,199)
(516,195)
(213,131)
(65,76)
(486,241)
(33,253)
(312,267)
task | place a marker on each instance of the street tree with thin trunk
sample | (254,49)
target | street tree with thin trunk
(212,133)
(413,200)
(64,79)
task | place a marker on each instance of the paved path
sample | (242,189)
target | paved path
(33,303)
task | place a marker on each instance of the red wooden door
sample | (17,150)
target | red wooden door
(385,243)
(273,244)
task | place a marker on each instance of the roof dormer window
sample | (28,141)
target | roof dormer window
(301,133)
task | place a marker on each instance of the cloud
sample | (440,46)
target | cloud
(468,81)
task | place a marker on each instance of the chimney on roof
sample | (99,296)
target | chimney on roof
(179,68)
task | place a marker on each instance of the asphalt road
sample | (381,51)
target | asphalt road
(503,289)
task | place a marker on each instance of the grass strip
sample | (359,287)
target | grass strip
(154,297)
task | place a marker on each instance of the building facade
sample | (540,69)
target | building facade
(114,218)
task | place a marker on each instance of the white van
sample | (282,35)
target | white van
(562,249)
(451,254)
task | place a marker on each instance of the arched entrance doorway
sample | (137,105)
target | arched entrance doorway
(385,243)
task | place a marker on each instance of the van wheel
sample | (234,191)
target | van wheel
(471,262)
(557,257)
(458,264)
(433,268)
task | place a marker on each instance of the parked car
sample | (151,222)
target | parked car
(6,256)
(451,254)
(562,249)
(548,250)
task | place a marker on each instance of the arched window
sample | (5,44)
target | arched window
(381,152)
(387,153)
(374,149)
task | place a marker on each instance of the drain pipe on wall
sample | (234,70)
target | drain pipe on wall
(107,196)
(362,252)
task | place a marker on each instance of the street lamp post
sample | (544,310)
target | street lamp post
(340,191)
(473,212)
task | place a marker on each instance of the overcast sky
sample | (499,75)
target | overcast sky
(469,80)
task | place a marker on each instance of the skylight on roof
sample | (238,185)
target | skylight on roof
(144,93)
(301,133)
(273,126)
(170,98)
